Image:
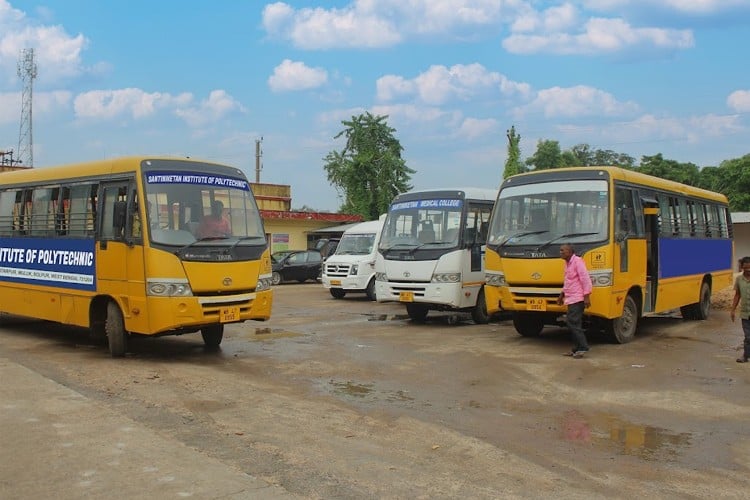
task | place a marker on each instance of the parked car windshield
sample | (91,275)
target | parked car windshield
(355,244)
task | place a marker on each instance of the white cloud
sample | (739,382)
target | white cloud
(440,84)
(577,101)
(218,105)
(295,75)
(57,54)
(137,104)
(599,35)
(473,128)
(44,103)
(381,23)
(739,101)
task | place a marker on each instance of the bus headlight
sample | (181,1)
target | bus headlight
(495,279)
(354,269)
(381,277)
(264,283)
(446,277)
(168,289)
(601,278)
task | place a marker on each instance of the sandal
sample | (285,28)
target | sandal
(742,360)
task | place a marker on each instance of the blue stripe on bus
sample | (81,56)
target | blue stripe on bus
(57,262)
(683,257)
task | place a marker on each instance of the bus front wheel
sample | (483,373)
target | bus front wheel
(212,335)
(479,313)
(370,290)
(417,312)
(528,325)
(337,293)
(622,329)
(114,325)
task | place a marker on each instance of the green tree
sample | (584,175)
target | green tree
(546,156)
(732,178)
(513,164)
(686,173)
(369,171)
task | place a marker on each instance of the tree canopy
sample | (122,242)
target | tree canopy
(369,171)
(513,164)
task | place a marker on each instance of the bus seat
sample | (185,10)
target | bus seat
(426,233)
(192,226)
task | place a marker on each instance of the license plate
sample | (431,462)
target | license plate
(536,305)
(228,314)
(406,296)
(335,282)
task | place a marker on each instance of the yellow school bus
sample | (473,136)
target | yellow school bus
(114,246)
(651,245)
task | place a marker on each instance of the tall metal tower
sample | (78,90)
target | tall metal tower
(27,73)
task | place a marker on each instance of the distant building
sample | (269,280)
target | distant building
(287,229)
(741,226)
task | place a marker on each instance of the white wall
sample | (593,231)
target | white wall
(741,239)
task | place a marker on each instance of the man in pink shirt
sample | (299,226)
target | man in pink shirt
(575,294)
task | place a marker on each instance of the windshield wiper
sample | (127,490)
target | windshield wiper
(386,249)
(207,238)
(568,235)
(521,235)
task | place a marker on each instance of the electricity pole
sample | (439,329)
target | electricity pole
(27,73)
(258,165)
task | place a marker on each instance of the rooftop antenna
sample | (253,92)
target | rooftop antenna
(27,73)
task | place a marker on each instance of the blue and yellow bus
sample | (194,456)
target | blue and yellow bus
(111,246)
(651,245)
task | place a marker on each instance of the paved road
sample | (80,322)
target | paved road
(348,399)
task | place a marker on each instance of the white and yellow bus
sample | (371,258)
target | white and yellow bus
(111,245)
(651,245)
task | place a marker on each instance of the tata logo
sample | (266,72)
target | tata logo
(536,276)
(226,281)
(407,274)
(537,255)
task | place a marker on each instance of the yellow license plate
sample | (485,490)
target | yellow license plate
(536,305)
(406,296)
(229,314)
(335,282)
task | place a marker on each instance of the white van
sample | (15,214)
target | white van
(352,267)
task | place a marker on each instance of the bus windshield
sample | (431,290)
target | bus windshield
(356,244)
(430,222)
(188,207)
(545,213)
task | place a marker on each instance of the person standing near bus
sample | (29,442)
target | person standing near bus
(214,225)
(742,294)
(575,294)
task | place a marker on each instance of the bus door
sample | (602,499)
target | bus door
(630,245)
(475,239)
(651,218)
(119,258)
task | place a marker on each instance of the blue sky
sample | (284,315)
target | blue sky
(206,79)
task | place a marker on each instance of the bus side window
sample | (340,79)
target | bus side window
(7,213)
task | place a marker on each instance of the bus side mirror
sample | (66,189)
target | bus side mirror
(118,216)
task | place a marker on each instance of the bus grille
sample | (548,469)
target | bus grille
(338,270)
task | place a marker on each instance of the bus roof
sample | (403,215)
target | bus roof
(469,193)
(96,168)
(616,173)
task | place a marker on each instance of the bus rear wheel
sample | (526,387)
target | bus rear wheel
(114,326)
(337,293)
(622,329)
(417,312)
(702,308)
(212,335)
(479,313)
(528,325)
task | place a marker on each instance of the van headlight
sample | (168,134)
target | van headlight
(446,277)
(601,278)
(495,279)
(381,277)
(264,283)
(354,270)
(168,289)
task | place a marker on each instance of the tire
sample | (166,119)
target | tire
(370,290)
(337,293)
(622,329)
(275,278)
(479,313)
(688,312)
(212,335)
(417,312)
(114,325)
(702,309)
(528,325)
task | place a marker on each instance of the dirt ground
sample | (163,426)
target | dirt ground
(349,399)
